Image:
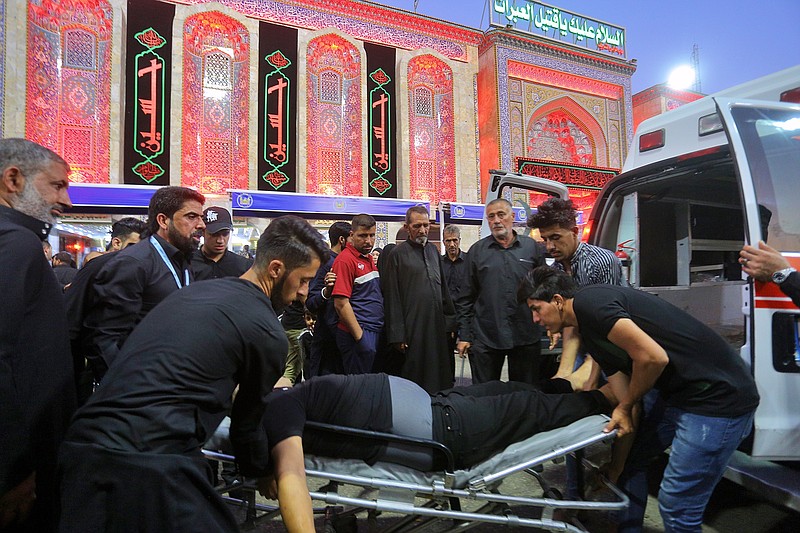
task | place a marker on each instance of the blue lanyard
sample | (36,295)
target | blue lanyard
(163,254)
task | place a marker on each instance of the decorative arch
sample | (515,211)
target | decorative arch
(562,130)
(216,88)
(432,169)
(68,103)
(334,125)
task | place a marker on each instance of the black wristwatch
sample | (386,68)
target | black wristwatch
(781,275)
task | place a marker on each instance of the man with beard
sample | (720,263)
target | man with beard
(139,277)
(419,312)
(491,323)
(132,457)
(37,391)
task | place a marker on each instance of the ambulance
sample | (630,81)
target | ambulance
(699,182)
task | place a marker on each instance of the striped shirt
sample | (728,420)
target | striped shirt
(592,265)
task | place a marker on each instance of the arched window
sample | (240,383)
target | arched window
(217,71)
(330,87)
(423,102)
(80,48)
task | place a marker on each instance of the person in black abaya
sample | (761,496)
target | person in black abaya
(418,309)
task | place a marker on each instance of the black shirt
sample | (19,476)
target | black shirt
(229,265)
(37,390)
(65,274)
(704,375)
(318,304)
(172,382)
(487,308)
(126,289)
(358,401)
(455,273)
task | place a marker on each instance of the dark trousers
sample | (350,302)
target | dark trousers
(112,491)
(478,421)
(357,357)
(524,363)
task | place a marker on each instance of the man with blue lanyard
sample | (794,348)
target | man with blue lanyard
(142,275)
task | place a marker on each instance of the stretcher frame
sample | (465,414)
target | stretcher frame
(435,497)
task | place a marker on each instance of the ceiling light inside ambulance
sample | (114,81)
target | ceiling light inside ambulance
(709,124)
(651,141)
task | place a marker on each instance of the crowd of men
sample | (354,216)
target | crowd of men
(154,358)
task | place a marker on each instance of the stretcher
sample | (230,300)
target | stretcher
(426,497)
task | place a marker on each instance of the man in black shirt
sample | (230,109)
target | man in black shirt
(454,265)
(491,323)
(213,259)
(473,422)
(139,277)
(132,454)
(644,342)
(325,357)
(63,268)
(37,390)
(79,297)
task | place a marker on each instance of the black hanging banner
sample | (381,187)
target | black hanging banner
(277,108)
(147,88)
(382,174)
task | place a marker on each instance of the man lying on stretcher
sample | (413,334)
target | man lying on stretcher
(473,422)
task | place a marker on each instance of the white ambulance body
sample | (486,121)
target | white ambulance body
(699,182)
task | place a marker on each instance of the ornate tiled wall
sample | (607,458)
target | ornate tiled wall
(216,98)
(431,130)
(543,97)
(335,114)
(68,93)
(213,111)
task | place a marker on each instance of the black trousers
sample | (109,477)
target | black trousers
(112,491)
(478,421)
(524,363)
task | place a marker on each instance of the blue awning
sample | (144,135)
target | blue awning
(134,199)
(272,204)
(111,199)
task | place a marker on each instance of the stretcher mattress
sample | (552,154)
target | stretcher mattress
(518,456)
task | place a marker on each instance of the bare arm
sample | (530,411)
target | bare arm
(622,445)
(649,360)
(347,316)
(290,476)
(570,343)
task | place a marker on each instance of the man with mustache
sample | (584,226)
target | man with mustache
(140,276)
(491,324)
(37,390)
(132,459)
(419,312)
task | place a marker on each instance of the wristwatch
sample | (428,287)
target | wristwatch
(781,275)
